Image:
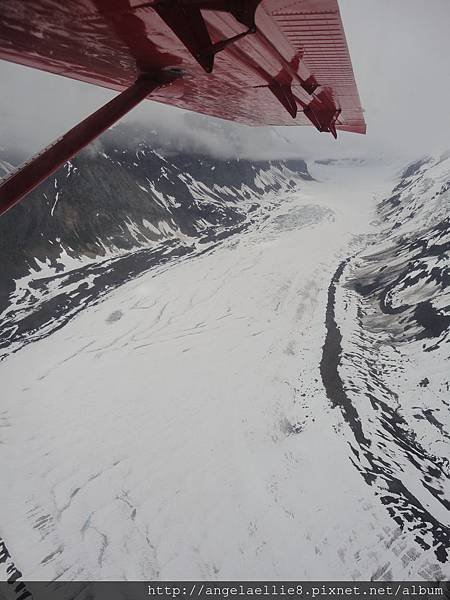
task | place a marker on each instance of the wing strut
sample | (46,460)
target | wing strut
(29,175)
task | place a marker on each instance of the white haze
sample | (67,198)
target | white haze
(400,53)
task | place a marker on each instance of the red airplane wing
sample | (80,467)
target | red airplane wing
(258,79)
(260,62)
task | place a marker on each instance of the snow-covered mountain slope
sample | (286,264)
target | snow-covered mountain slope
(114,212)
(392,318)
(248,410)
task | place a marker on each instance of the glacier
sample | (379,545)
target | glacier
(261,396)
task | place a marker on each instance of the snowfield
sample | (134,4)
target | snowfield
(181,428)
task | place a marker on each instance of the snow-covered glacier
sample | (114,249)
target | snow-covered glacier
(265,395)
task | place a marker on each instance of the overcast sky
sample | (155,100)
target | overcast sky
(400,51)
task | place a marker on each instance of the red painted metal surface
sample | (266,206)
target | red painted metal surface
(261,62)
(294,69)
(29,175)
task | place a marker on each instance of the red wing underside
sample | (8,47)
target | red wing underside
(292,68)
